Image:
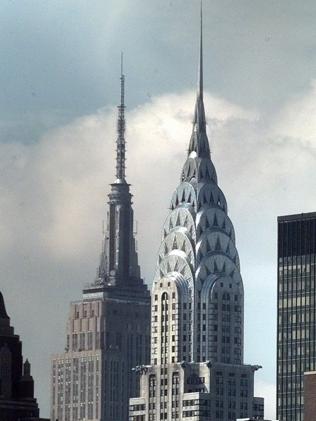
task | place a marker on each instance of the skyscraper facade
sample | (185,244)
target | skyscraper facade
(108,331)
(17,401)
(197,370)
(296,346)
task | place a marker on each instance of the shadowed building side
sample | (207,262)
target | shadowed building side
(17,402)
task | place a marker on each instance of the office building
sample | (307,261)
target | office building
(108,331)
(296,346)
(197,370)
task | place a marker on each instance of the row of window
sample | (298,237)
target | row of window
(225,297)
(140,407)
(193,402)
(84,341)
(81,412)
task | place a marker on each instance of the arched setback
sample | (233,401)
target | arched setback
(181,218)
(214,218)
(179,240)
(184,195)
(198,168)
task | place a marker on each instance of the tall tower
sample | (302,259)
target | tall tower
(108,331)
(296,346)
(197,370)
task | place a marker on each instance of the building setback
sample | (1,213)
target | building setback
(108,331)
(296,346)
(17,402)
(197,370)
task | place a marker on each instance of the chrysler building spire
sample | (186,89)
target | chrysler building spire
(199,143)
(120,142)
(200,77)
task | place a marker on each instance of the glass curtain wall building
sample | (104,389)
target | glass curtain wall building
(296,311)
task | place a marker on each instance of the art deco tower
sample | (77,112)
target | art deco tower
(197,370)
(109,329)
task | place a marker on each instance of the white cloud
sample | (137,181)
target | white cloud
(53,196)
(268,391)
(297,119)
(59,184)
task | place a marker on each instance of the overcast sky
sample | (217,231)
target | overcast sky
(59,78)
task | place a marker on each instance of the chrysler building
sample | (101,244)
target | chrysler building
(197,369)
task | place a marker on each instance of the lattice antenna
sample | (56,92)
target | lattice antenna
(120,143)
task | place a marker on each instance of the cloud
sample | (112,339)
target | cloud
(268,391)
(256,52)
(297,119)
(54,193)
(60,183)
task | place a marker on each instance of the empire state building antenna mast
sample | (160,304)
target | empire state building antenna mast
(120,142)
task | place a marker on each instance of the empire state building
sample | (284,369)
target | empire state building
(108,330)
(197,370)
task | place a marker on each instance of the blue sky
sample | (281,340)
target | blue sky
(59,78)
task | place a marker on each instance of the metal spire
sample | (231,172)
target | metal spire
(200,76)
(120,143)
(199,117)
(199,142)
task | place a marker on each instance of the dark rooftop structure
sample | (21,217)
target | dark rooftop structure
(17,402)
